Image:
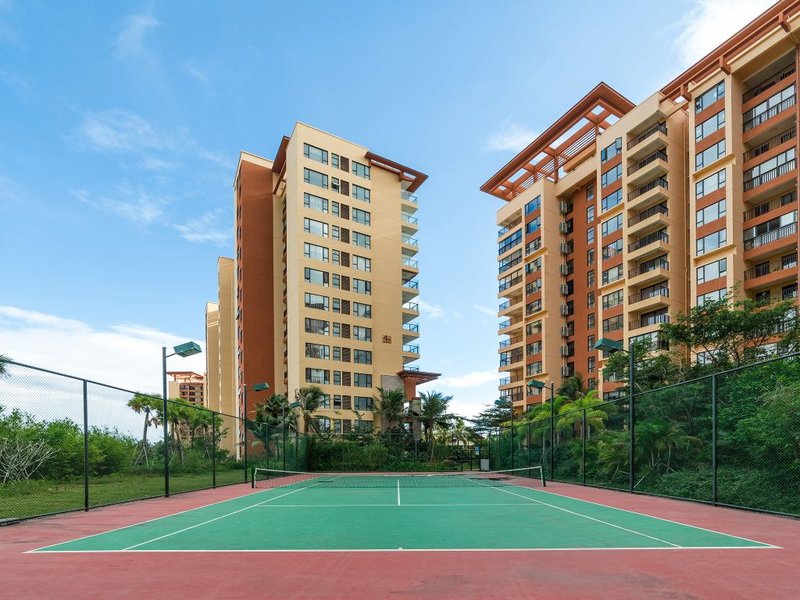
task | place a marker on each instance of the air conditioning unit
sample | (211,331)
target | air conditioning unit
(564,310)
(562,227)
(564,351)
(564,331)
(564,248)
(564,270)
(565,371)
(564,289)
(563,207)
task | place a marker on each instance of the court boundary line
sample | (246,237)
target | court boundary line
(641,514)
(373,550)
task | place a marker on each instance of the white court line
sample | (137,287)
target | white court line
(398,492)
(393,505)
(161,537)
(180,512)
(328,550)
(633,512)
(586,516)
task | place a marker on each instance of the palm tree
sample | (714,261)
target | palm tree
(309,398)
(141,403)
(571,414)
(391,406)
(433,413)
(572,387)
(3,368)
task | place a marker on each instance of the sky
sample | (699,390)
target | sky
(121,124)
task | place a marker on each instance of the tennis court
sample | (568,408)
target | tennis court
(473,511)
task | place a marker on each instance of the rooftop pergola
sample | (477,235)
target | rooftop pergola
(563,141)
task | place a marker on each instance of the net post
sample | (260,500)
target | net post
(244,442)
(583,447)
(85,446)
(714,439)
(541,475)
(213,450)
(252,479)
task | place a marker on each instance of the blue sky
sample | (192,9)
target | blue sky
(122,123)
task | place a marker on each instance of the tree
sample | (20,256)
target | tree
(391,406)
(571,414)
(433,412)
(310,399)
(498,413)
(145,404)
(572,387)
(652,370)
(3,366)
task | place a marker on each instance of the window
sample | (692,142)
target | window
(315,276)
(317,326)
(590,321)
(360,193)
(362,380)
(362,310)
(752,115)
(709,97)
(711,296)
(590,213)
(710,184)
(533,225)
(314,153)
(711,213)
(335,161)
(361,216)
(315,252)
(712,270)
(611,176)
(361,286)
(768,165)
(590,367)
(509,242)
(362,357)
(712,241)
(534,328)
(590,189)
(709,155)
(318,351)
(315,227)
(613,274)
(590,235)
(590,298)
(533,205)
(709,126)
(612,249)
(590,279)
(361,263)
(613,299)
(315,178)
(362,403)
(361,239)
(611,150)
(315,203)
(590,256)
(362,334)
(612,225)
(318,376)
(316,301)
(611,200)
(360,170)
(612,323)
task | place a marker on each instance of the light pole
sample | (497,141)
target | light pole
(257,387)
(184,350)
(540,385)
(611,346)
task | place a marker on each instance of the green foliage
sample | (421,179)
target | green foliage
(391,406)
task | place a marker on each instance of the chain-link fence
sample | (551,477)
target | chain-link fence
(67,443)
(731,438)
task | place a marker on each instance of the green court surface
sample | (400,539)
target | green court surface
(470,515)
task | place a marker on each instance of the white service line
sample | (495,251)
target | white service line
(577,514)
(161,537)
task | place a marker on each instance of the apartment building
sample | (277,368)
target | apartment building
(325,276)
(187,385)
(620,215)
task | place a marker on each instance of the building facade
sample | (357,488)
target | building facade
(621,215)
(187,385)
(325,276)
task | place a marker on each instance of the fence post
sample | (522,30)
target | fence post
(213,449)
(631,415)
(583,447)
(714,439)
(552,428)
(529,443)
(244,438)
(284,446)
(85,446)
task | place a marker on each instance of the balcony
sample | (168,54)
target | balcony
(779,179)
(411,349)
(408,240)
(410,311)
(504,230)
(769,114)
(771,273)
(507,360)
(509,283)
(511,342)
(647,141)
(650,218)
(768,207)
(648,194)
(410,224)
(648,321)
(649,297)
(504,305)
(410,289)
(769,144)
(507,324)
(411,328)
(648,272)
(652,165)
(770,242)
(410,263)
(652,243)
(768,83)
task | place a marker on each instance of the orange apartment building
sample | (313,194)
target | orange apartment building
(187,385)
(620,215)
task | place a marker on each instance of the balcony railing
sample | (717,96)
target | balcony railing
(769,144)
(651,293)
(408,218)
(410,262)
(504,305)
(408,196)
(413,349)
(658,209)
(411,306)
(769,113)
(504,285)
(505,380)
(510,341)
(647,321)
(658,236)
(647,267)
(504,230)
(658,154)
(505,265)
(768,176)
(766,269)
(407,239)
(660,182)
(411,284)
(771,236)
(767,207)
(412,327)
(647,133)
(768,83)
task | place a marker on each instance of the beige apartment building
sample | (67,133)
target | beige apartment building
(323,285)
(620,215)
(187,385)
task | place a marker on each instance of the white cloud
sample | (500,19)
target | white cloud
(205,229)
(119,130)
(196,73)
(711,22)
(471,392)
(510,136)
(470,380)
(432,311)
(134,204)
(485,310)
(127,356)
(130,42)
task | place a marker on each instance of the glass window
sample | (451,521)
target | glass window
(612,274)
(710,184)
(362,287)
(611,150)
(711,242)
(316,301)
(713,270)
(362,334)
(315,202)
(318,376)
(711,213)
(315,252)
(611,200)
(362,403)
(314,153)
(318,326)
(715,295)
(532,226)
(362,263)
(709,126)
(612,225)
(611,176)
(533,205)
(360,170)
(315,227)
(360,193)
(612,249)
(590,235)
(613,299)
(315,178)
(709,97)
(590,213)
(709,155)
(362,380)
(361,216)
(361,239)
(315,276)
(362,357)
(318,351)
(362,310)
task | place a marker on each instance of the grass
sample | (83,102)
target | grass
(40,497)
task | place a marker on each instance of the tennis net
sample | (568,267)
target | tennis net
(524,477)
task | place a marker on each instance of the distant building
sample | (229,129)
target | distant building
(187,385)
